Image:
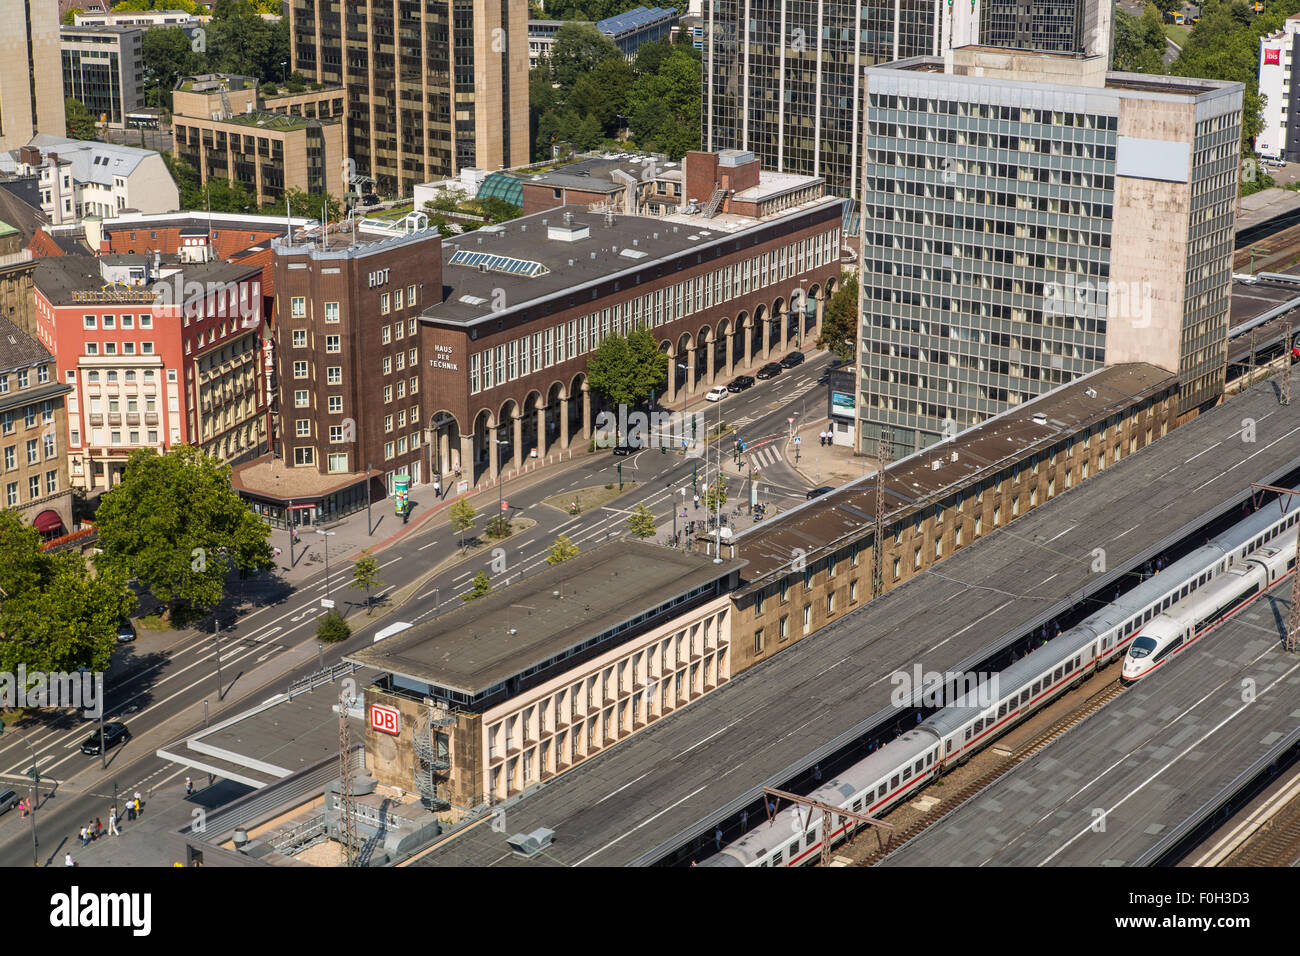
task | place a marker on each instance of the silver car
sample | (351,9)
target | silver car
(8,800)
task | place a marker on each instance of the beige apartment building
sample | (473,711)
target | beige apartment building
(442,89)
(225,129)
(31,72)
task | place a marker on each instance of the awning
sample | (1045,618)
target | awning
(48,521)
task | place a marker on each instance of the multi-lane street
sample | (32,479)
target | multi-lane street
(161,684)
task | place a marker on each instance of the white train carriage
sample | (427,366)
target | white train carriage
(1172,632)
(894,773)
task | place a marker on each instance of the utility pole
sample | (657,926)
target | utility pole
(216,634)
(1250,374)
(884,450)
(36,799)
(1292,641)
(347,821)
(369,530)
(1286,382)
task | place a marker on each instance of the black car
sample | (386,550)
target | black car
(740,383)
(114,734)
(125,631)
(770,370)
(818,492)
(623,449)
(791,360)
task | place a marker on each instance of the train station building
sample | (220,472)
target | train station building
(519,685)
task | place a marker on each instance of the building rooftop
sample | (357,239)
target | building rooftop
(926,476)
(633,20)
(92,162)
(269,477)
(611,245)
(211,82)
(597,174)
(276,122)
(18,349)
(502,634)
(61,278)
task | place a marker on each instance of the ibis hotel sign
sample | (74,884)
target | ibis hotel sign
(443,357)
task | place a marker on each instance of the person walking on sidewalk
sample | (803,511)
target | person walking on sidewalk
(99,828)
(112,825)
(189,787)
(139,807)
(437,489)
(130,810)
(68,860)
(84,838)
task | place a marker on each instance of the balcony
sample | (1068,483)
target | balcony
(95,418)
(133,418)
(115,418)
(151,418)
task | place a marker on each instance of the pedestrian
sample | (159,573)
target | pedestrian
(717,838)
(22,807)
(817,772)
(68,860)
(92,830)
(84,838)
(112,825)
(189,787)
(437,488)
(139,807)
(697,502)
(99,828)
(130,810)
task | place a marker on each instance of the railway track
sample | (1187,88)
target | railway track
(1022,753)
(1276,843)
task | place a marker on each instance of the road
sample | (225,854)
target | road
(159,685)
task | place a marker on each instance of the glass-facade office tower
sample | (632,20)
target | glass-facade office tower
(1020,231)
(432,86)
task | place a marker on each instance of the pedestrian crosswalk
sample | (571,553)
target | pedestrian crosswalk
(765,457)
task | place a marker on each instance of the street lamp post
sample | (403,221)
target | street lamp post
(216,634)
(36,799)
(369,530)
(326,535)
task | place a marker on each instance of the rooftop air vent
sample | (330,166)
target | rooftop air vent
(1040,419)
(1090,392)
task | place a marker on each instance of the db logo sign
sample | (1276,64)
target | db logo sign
(387,720)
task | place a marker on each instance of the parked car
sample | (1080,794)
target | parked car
(125,631)
(770,370)
(8,800)
(791,360)
(716,394)
(740,383)
(114,734)
(623,449)
(818,492)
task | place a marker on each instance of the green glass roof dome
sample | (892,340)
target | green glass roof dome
(502,186)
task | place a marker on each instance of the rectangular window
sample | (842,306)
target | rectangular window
(512,360)
(397,298)
(333,343)
(474,386)
(300,369)
(386,334)
(300,398)
(304,456)
(298,306)
(300,338)
(410,295)
(336,434)
(302,428)
(383,303)
(338,461)
(334,375)
(336,404)
(331,313)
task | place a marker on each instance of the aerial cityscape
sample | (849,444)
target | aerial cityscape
(538,434)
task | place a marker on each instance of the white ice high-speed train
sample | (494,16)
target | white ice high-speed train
(895,772)
(1171,633)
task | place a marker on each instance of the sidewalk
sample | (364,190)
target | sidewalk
(826,465)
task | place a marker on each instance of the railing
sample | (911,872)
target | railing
(302,836)
(328,675)
(78,538)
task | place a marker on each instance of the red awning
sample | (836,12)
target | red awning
(47,521)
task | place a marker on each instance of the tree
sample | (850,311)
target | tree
(225,195)
(70,18)
(302,203)
(641,522)
(561,550)
(331,629)
(497,209)
(664,110)
(187,181)
(716,495)
(365,574)
(577,49)
(55,615)
(175,525)
(480,585)
(623,371)
(462,516)
(839,334)
(1139,41)
(499,527)
(81,125)
(600,96)
(167,54)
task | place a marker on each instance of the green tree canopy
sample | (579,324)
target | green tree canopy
(55,615)
(331,629)
(623,371)
(365,574)
(562,549)
(81,125)
(839,334)
(462,516)
(641,522)
(301,203)
(224,195)
(479,585)
(664,111)
(175,525)
(577,49)
(1139,41)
